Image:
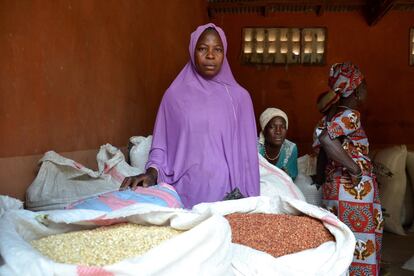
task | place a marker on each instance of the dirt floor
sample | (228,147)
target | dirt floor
(396,250)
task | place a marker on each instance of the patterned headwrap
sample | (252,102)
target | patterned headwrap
(326,100)
(268,115)
(344,78)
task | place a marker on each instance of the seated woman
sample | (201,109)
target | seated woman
(273,144)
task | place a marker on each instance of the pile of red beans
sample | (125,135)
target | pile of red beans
(277,234)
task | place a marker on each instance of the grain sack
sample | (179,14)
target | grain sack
(407,210)
(274,182)
(62,181)
(9,203)
(306,168)
(330,258)
(392,187)
(204,248)
(161,194)
(139,151)
(410,174)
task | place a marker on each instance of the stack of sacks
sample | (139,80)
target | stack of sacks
(394,167)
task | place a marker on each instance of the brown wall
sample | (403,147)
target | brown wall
(77,74)
(381,52)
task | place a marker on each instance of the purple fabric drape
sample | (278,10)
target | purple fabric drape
(204,140)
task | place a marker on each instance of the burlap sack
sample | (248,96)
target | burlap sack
(410,174)
(392,188)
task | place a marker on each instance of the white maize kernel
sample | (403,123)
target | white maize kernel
(104,245)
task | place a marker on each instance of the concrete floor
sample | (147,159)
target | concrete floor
(396,250)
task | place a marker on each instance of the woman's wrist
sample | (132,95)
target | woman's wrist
(153,173)
(355,170)
(356,177)
(359,174)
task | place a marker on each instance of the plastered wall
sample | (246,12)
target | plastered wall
(381,51)
(77,74)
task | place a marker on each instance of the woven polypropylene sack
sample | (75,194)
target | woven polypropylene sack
(140,150)
(305,183)
(274,182)
(161,194)
(203,249)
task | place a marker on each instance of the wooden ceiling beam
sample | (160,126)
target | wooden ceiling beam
(269,3)
(376,10)
(264,7)
(319,10)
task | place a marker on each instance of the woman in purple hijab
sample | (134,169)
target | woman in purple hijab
(204,140)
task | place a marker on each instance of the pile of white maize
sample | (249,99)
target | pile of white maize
(104,245)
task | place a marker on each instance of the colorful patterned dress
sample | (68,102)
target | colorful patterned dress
(358,207)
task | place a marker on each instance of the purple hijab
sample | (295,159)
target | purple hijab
(204,140)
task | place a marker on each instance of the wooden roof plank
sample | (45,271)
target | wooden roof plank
(378,9)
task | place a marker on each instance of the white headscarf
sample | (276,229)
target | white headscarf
(268,115)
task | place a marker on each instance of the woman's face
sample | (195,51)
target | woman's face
(209,54)
(275,131)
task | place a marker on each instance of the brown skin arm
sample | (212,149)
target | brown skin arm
(146,179)
(334,151)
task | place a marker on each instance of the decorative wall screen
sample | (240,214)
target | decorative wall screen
(283,45)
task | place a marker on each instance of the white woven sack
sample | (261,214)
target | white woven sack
(9,203)
(304,180)
(205,249)
(275,182)
(61,181)
(329,259)
(111,162)
(140,151)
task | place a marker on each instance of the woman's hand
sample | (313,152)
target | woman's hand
(356,178)
(146,179)
(352,181)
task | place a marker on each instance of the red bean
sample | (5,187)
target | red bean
(278,234)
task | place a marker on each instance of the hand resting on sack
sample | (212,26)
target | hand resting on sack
(149,178)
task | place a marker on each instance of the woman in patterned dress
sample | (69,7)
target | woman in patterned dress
(349,186)
(273,144)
